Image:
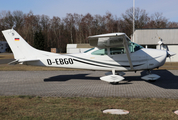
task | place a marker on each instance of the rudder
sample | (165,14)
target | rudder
(21,49)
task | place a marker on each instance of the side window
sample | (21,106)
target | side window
(100,52)
(119,50)
(133,47)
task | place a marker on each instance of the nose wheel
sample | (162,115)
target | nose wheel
(150,77)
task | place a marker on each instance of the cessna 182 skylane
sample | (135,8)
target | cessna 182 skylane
(112,52)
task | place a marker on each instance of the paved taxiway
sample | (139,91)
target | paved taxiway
(86,84)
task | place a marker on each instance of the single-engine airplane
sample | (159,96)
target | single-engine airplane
(112,52)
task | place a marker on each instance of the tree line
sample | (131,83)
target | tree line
(57,32)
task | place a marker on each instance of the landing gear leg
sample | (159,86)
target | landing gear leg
(114,83)
(149,73)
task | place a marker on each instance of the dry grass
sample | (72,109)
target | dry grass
(6,56)
(170,66)
(28,107)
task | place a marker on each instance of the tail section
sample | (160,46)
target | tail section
(21,49)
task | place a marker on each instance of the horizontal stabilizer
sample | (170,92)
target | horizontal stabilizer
(21,61)
(14,62)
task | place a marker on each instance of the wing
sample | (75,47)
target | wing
(111,40)
(106,40)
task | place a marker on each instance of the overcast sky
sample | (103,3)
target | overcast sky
(60,8)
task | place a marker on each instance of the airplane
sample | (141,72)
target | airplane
(113,52)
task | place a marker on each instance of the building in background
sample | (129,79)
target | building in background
(3,46)
(77,48)
(54,50)
(149,39)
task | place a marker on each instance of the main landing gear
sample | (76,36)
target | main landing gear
(112,77)
(114,83)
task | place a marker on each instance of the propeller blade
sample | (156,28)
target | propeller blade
(169,54)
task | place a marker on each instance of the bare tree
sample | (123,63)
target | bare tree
(87,24)
(78,19)
(158,21)
(69,21)
(75,28)
(56,29)
(173,25)
(141,19)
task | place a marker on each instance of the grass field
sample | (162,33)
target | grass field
(28,107)
(34,107)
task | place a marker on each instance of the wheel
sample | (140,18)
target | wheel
(114,83)
(152,81)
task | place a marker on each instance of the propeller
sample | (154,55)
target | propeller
(165,47)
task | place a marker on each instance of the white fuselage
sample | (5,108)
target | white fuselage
(141,60)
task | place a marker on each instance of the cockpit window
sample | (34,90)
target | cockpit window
(118,50)
(100,52)
(133,47)
(88,50)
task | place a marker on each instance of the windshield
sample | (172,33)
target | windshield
(88,50)
(133,47)
(117,50)
(100,52)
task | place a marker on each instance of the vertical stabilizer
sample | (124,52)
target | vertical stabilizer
(20,48)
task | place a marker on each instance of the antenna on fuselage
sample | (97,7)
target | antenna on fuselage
(13,27)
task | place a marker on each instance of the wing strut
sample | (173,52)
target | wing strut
(128,52)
